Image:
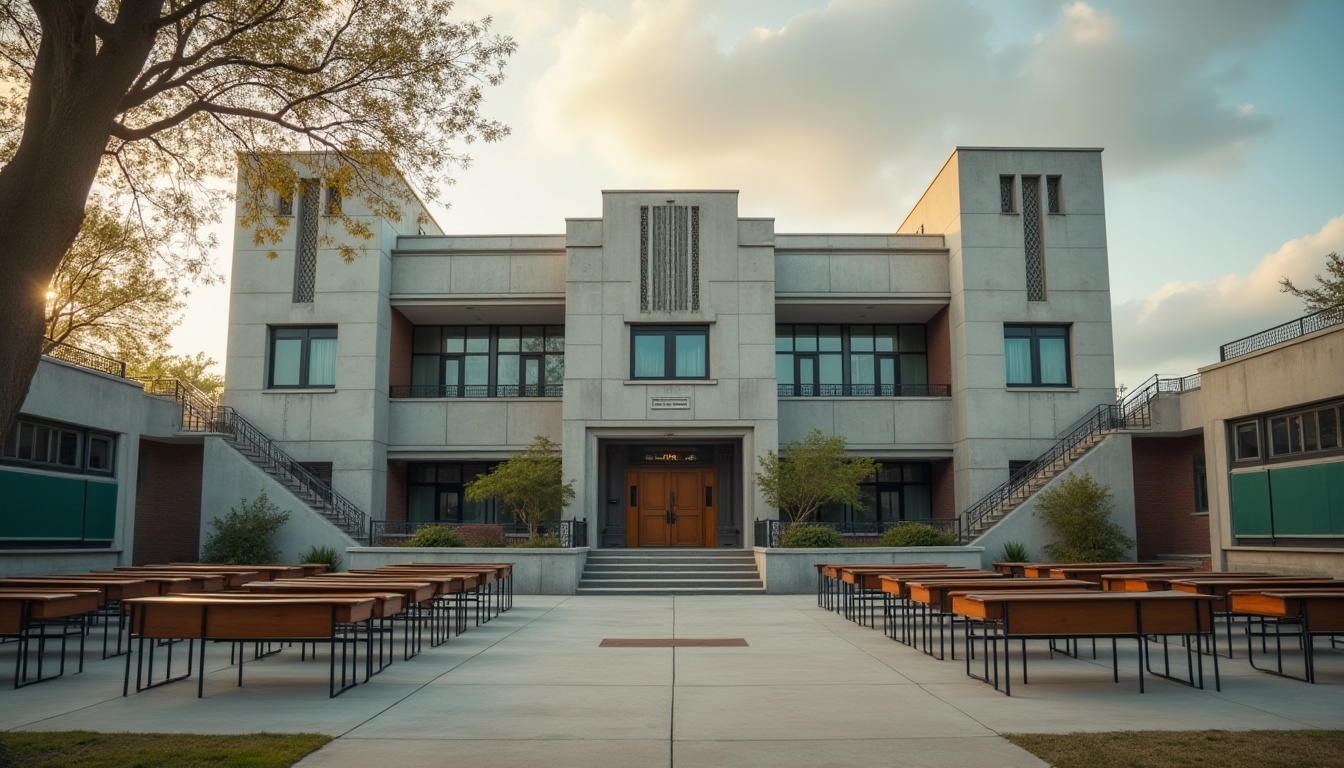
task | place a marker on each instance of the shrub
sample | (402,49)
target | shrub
(530,483)
(435,536)
(246,535)
(1014,552)
(543,541)
(812,473)
(477,535)
(1078,510)
(810,535)
(327,555)
(917,535)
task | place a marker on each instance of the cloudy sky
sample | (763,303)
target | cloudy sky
(1221,122)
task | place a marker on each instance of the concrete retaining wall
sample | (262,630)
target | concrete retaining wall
(535,571)
(792,571)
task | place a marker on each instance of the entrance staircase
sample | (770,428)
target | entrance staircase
(1133,412)
(670,572)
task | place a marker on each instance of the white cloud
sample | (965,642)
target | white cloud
(1180,326)
(845,111)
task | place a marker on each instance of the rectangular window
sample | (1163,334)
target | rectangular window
(669,352)
(56,446)
(1036,355)
(1053,202)
(1201,485)
(302,358)
(896,491)
(1328,420)
(1247,440)
(436,493)
(1006,195)
(851,361)
(486,361)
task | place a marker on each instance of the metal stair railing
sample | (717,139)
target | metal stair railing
(1132,411)
(198,408)
(268,455)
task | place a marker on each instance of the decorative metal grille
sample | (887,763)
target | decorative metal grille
(669,258)
(1281,333)
(333,201)
(1031,238)
(1052,194)
(305,259)
(1005,194)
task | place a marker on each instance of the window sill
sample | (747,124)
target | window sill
(299,391)
(1041,389)
(665,382)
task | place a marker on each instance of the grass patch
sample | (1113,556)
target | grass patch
(86,749)
(1187,749)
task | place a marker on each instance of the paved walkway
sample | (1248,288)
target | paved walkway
(533,687)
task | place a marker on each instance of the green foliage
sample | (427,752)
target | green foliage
(1014,552)
(327,555)
(1331,290)
(86,749)
(531,483)
(810,535)
(188,369)
(435,536)
(479,535)
(917,535)
(543,541)
(812,473)
(246,535)
(1078,510)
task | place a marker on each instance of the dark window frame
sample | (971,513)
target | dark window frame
(550,359)
(41,431)
(669,334)
(1201,477)
(305,334)
(495,512)
(788,336)
(890,477)
(1291,434)
(1035,336)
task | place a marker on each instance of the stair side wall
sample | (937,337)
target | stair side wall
(229,477)
(535,571)
(1110,463)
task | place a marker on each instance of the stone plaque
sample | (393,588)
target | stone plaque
(669,403)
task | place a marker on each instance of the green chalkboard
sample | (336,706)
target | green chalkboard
(1251,511)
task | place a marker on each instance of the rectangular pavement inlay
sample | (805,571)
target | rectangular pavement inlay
(684,642)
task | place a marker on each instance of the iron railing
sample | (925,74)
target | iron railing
(1281,333)
(83,358)
(865,390)
(198,408)
(271,457)
(571,533)
(476,390)
(769,531)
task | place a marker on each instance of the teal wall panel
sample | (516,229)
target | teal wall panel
(1307,500)
(56,508)
(100,511)
(1250,504)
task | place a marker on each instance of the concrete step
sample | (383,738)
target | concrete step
(668,575)
(666,567)
(709,554)
(669,591)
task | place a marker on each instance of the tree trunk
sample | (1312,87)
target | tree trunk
(77,86)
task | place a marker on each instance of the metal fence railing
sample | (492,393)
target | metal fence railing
(1281,333)
(570,533)
(476,390)
(83,358)
(865,390)
(859,532)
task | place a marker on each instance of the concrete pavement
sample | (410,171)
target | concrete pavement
(534,686)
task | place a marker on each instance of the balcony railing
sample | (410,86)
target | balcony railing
(865,390)
(858,533)
(476,390)
(1281,333)
(83,358)
(393,533)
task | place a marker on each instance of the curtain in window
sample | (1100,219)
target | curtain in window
(285,362)
(321,362)
(691,356)
(649,357)
(1017,360)
(1054,362)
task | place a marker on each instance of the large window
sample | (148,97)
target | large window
(669,352)
(852,360)
(49,445)
(1036,355)
(486,361)
(896,491)
(435,493)
(303,357)
(1290,435)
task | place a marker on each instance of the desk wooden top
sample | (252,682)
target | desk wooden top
(1220,587)
(414,591)
(48,604)
(1147,582)
(235,576)
(445,583)
(112,588)
(939,592)
(1095,572)
(388,602)
(898,583)
(483,575)
(167,584)
(223,617)
(1088,613)
(267,571)
(501,569)
(204,581)
(1320,610)
(871,579)
(1042,570)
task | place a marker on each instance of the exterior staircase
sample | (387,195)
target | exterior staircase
(670,572)
(201,414)
(1133,412)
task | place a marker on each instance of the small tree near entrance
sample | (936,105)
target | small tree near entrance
(814,472)
(1078,510)
(531,483)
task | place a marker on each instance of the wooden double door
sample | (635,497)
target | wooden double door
(670,508)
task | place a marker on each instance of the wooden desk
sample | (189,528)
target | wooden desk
(325,619)
(419,597)
(25,615)
(1009,616)
(1309,612)
(266,572)
(1148,581)
(1042,570)
(234,576)
(503,574)
(933,599)
(1095,572)
(174,582)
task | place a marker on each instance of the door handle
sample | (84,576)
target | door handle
(671,510)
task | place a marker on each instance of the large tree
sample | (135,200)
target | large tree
(1330,292)
(155,99)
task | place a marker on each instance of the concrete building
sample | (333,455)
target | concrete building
(669,342)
